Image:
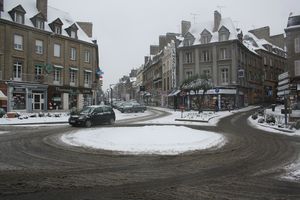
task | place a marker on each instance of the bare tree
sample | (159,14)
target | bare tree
(199,84)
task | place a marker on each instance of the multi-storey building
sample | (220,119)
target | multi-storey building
(273,58)
(217,49)
(293,48)
(47,60)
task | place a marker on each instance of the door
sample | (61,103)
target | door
(37,101)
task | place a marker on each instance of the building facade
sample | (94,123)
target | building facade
(47,61)
(293,48)
(218,50)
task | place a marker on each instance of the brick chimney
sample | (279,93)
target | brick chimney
(162,42)
(42,6)
(217,21)
(185,27)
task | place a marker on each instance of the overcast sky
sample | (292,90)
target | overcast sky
(126,28)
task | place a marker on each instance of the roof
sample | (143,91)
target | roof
(53,13)
(197,29)
(253,43)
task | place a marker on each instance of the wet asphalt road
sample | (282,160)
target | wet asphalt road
(34,164)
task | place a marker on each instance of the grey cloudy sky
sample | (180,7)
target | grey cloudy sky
(126,28)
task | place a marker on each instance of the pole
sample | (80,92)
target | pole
(111,96)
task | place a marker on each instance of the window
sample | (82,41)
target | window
(57,50)
(265,61)
(39,24)
(206,72)
(223,53)
(56,75)
(73,34)
(19,18)
(223,37)
(17,71)
(188,57)
(18,42)
(87,56)
(73,79)
(38,72)
(205,39)
(188,74)
(73,54)
(87,79)
(297,45)
(297,68)
(205,56)
(224,76)
(57,29)
(39,47)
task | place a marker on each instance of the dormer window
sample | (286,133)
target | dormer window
(188,40)
(72,31)
(57,30)
(73,34)
(38,21)
(17,14)
(223,34)
(39,24)
(56,26)
(205,37)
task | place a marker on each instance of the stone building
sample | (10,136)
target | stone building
(293,48)
(217,49)
(47,60)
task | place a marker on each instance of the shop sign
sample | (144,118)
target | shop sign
(49,68)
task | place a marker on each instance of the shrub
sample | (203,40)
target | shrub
(270,119)
(255,116)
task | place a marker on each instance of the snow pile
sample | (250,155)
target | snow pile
(160,140)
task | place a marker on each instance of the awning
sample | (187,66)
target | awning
(174,93)
(58,66)
(2,96)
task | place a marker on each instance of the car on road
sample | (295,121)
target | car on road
(132,107)
(93,115)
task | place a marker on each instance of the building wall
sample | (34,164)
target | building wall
(8,55)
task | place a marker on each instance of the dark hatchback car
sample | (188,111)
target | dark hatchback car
(93,115)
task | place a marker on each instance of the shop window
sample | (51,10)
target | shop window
(19,99)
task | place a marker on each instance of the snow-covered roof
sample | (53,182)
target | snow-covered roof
(253,43)
(53,13)
(294,13)
(197,29)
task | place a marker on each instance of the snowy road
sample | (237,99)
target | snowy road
(36,165)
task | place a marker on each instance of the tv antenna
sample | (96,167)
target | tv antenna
(194,16)
(220,8)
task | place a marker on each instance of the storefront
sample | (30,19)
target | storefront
(217,98)
(25,97)
(66,98)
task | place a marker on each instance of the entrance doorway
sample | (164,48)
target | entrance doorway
(37,101)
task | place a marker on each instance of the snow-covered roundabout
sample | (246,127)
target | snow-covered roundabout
(159,140)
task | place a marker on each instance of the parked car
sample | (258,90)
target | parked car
(132,107)
(93,115)
(2,112)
